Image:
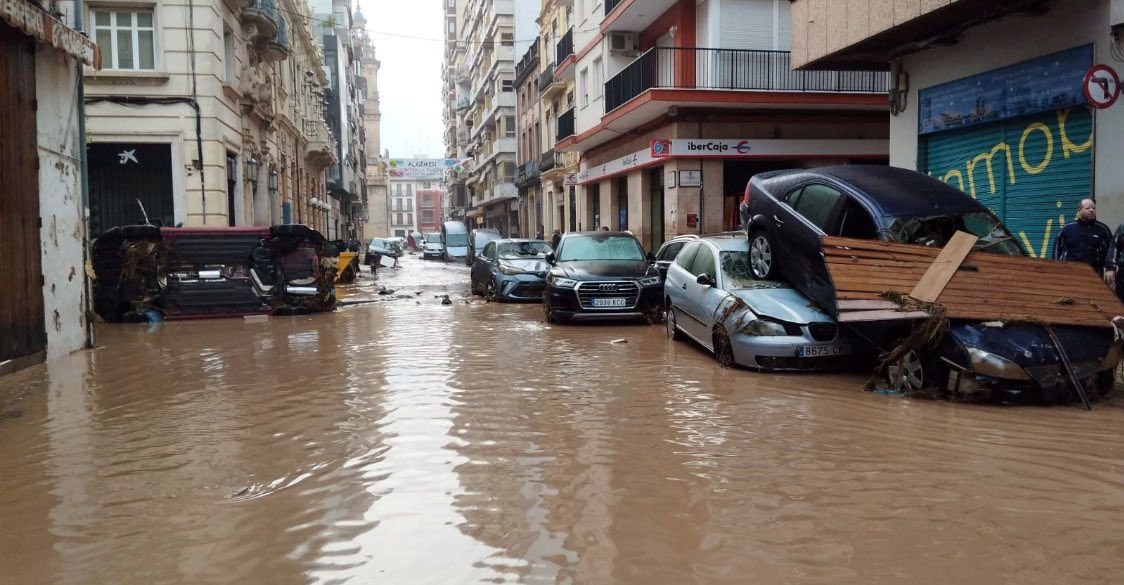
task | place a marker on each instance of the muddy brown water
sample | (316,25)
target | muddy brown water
(408,442)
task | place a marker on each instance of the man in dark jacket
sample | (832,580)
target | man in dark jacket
(1085,240)
(1114,264)
(557,238)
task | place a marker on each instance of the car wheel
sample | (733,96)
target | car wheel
(490,293)
(671,325)
(762,255)
(723,349)
(908,374)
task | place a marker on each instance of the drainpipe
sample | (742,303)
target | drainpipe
(85,181)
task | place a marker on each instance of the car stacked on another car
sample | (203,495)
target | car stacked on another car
(787,213)
(712,297)
(601,275)
(511,270)
(433,248)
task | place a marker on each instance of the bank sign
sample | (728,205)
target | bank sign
(757,148)
(420,169)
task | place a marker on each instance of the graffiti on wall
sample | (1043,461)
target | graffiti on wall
(1031,173)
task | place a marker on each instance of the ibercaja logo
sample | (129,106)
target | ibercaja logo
(661,148)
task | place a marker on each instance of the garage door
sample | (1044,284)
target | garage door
(22,331)
(123,178)
(1032,172)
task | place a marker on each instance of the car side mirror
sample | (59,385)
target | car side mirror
(549,258)
(705,280)
(651,258)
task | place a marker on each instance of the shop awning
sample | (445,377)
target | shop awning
(38,24)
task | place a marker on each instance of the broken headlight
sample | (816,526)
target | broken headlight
(986,363)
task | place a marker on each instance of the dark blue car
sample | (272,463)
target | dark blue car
(786,213)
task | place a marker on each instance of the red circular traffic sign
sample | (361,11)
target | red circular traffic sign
(1101,86)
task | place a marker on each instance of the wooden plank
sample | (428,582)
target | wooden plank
(861,316)
(845,305)
(942,269)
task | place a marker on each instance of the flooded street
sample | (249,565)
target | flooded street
(407,441)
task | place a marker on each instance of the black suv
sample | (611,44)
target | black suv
(601,275)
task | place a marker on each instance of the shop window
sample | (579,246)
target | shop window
(126,38)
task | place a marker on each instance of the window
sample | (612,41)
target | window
(507,39)
(584,87)
(670,251)
(703,262)
(427,216)
(126,39)
(509,126)
(816,202)
(507,85)
(426,185)
(687,256)
(856,222)
(452,26)
(228,56)
(598,84)
(508,171)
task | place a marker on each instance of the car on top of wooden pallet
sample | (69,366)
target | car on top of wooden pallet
(788,213)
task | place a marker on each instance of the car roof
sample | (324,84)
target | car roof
(892,191)
(517,240)
(728,242)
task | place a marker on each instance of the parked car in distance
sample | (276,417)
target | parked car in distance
(477,239)
(667,252)
(511,270)
(433,247)
(454,237)
(601,275)
(788,212)
(380,247)
(712,298)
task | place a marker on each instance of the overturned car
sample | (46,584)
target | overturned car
(145,272)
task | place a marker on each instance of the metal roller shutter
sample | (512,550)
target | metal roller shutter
(1041,166)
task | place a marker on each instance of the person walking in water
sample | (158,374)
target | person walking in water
(556,238)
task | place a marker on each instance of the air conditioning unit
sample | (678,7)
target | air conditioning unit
(623,43)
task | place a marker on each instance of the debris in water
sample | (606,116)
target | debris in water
(887,391)
(386,291)
(256,318)
(241,492)
(445,300)
(418,294)
(618,341)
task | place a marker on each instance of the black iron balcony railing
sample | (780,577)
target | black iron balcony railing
(282,33)
(546,77)
(565,47)
(610,5)
(731,69)
(566,124)
(548,161)
(527,173)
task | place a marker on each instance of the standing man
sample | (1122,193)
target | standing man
(1114,265)
(1085,240)
(557,238)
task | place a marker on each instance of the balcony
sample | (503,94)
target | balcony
(277,49)
(528,173)
(633,15)
(564,48)
(261,18)
(549,85)
(320,152)
(731,70)
(566,125)
(548,161)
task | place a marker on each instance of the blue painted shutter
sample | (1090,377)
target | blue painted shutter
(1036,190)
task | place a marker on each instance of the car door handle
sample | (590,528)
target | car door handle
(778,220)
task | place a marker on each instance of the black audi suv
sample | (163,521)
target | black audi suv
(601,275)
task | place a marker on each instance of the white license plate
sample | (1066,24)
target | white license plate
(823,350)
(610,303)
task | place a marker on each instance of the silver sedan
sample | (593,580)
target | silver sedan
(711,297)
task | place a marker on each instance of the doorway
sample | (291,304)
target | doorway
(622,202)
(655,220)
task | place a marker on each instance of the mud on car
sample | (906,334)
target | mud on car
(144,271)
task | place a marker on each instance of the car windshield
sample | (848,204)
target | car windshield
(524,250)
(431,238)
(936,231)
(735,269)
(455,240)
(485,237)
(598,247)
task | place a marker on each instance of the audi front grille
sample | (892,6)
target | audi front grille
(629,291)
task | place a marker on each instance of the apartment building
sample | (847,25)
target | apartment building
(675,104)
(431,210)
(207,114)
(455,85)
(375,166)
(335,26)
(557,110)
(528,110)
(992,97)
(402,215)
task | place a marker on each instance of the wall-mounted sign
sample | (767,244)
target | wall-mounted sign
(661,148)
(768,147)
(1101,86)
(690,178)
(1039,85)
(36,23)
(670,180)
(420,169)
(692,219)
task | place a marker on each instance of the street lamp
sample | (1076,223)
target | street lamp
(252,171)
(274,185)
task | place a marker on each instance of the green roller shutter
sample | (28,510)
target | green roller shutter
(1041,166)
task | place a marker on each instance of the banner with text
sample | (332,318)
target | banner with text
(420,169)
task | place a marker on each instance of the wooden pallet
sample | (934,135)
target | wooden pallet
(984,286)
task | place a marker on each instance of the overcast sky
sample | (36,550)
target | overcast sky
(410,77)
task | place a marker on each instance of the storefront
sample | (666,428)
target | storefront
(1018,138)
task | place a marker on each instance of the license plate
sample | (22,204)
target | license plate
(823,350)
(609,303)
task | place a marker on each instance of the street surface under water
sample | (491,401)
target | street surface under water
(411,442)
